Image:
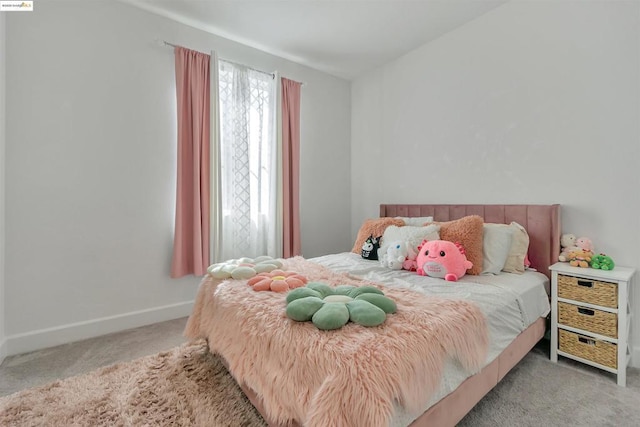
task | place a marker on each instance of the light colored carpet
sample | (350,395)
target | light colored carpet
(189,386)
(50,364)
(537,392)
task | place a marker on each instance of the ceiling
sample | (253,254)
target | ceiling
(344,38)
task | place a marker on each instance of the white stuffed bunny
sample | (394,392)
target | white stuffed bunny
(395,255)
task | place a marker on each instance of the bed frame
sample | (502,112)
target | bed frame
(542,223)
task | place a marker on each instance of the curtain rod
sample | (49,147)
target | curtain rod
(273,76)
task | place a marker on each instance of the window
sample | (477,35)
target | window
(248,153)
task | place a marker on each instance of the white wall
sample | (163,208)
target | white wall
(534,102)
(90,181)
(2,169)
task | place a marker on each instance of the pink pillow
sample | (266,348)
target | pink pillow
(468,232)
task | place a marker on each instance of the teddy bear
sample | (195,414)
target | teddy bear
(395,255)
(584,243)
(568,244)
(583,254)
(580,258)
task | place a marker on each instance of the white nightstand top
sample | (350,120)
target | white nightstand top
(617,274)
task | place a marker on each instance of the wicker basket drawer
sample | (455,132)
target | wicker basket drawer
(602,352)
(590,291)
(588,319)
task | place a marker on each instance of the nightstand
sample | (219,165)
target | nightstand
(590,316)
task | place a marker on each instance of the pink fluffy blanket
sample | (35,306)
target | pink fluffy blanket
(348,377)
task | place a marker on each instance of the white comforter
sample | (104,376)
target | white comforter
(511,303)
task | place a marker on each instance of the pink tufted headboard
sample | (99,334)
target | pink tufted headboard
(542,223)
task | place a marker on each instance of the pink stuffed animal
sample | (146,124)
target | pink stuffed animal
(442,259)
(410,263)
(585,244)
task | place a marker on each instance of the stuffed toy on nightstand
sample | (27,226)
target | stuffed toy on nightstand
(602,262)
(582,255)
(567,244)
(580,258)
(585,244)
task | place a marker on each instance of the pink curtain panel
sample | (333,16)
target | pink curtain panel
(291,167)
(191,239)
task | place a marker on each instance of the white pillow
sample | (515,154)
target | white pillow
(412,235)
(518,250)
(496,243)
(415,221)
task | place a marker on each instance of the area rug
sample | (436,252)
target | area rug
(187,386)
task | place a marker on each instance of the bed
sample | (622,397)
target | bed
(513,327)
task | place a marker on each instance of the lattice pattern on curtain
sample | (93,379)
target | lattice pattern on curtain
(247,162)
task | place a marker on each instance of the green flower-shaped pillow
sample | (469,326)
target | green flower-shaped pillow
(331,308)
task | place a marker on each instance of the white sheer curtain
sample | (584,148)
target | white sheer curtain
(247,164)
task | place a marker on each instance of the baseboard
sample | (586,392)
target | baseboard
(635,357)
(50,337)
(3,350)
